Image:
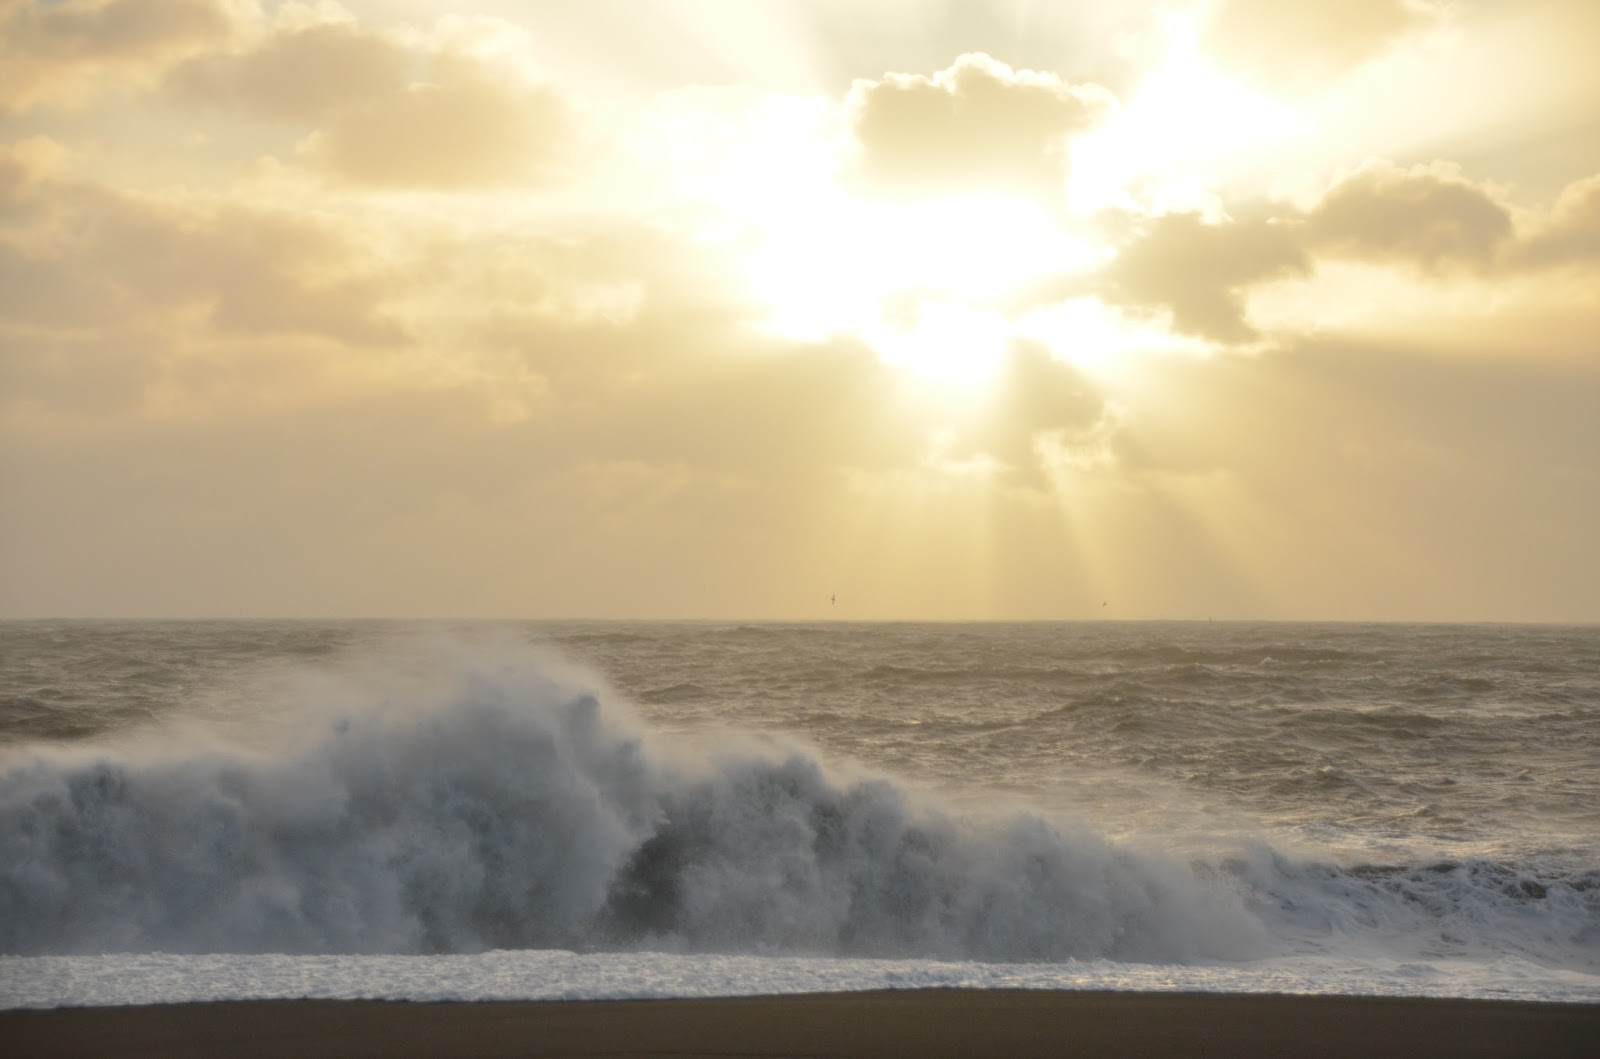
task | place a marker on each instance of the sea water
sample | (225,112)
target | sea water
(207,811)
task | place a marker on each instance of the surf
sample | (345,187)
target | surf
(455,797)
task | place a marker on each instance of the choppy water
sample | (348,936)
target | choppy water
(1233,803)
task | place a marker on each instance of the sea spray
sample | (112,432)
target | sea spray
(500,804)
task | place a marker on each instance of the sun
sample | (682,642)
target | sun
(946,342)
(933,286)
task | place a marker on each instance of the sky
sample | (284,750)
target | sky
(728,309)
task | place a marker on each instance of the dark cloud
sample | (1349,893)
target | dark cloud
(977,126)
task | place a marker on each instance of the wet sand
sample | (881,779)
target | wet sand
(899,1023)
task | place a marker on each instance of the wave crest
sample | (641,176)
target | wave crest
(507,807)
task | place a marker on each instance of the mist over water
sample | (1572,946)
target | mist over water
(1142,794)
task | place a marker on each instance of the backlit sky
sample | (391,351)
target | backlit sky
(718,308)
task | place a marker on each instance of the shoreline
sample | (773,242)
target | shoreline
(927,1022)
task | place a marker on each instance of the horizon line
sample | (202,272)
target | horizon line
(839,620)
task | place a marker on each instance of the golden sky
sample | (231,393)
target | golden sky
(718,308)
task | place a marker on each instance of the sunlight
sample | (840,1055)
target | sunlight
(1099,340)
(921,282)
(946,342)
(1187,127)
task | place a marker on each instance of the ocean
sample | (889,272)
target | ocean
(526,810)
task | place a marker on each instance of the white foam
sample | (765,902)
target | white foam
(80,981)
(490,803)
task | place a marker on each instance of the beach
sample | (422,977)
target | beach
(911,1022)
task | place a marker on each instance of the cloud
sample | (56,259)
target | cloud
(304,74)
(675,385)
(109,286)
(62,52)
(1039,397)
(125,314)
(667,435)
(1299,47)
(685,379)
(1429,216)
(464,127)
(24,166)
(1011,434)
(1198,271)
(386,111)
(977,126)
(1429,219)
(1571,233)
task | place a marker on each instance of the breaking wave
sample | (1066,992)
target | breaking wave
(489,798)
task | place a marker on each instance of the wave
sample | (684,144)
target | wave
(606,638)
(770,631)
(1435,687)
(500,805)
(889,673)
(1266,653)
(1451,908)
(683,691)
(489,798)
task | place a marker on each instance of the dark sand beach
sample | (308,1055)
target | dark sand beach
(901,1023)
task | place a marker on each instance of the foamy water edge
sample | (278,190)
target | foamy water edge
(157,978)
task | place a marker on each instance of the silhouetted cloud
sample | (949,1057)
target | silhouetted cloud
(1198,270)
(977,126)
(1426,215)
(1425,218)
